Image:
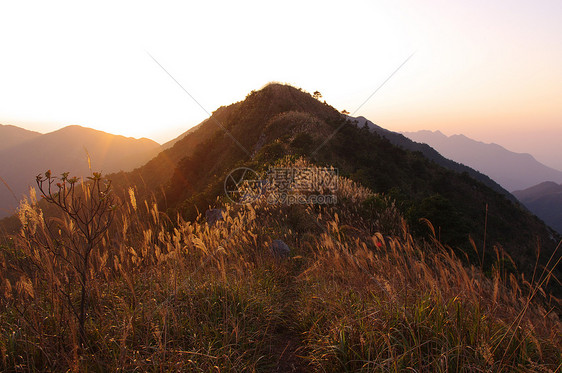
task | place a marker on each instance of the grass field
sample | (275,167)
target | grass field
(355,294)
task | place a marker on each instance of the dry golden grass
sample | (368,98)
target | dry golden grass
(167,294)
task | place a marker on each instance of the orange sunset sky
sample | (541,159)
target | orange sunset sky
(491,70)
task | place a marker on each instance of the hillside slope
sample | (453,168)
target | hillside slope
(513,171)
(234,129)
(359,283)
(545,201)
(11,136)
(280,121)
(65,150)
(199,296)
(430,153)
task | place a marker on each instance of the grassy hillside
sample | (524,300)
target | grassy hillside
(411,265)
(281,120)
(179,295)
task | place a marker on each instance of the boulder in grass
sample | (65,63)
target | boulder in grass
(214,215)
(280,249)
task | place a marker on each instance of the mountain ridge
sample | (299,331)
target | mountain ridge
(72,148)
(545,201)
(514,171)
(13,135)
(446,269)
(282,121)
(429,152)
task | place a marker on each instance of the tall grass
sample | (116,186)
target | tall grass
(167,295)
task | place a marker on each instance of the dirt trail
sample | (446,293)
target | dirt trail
(288,344)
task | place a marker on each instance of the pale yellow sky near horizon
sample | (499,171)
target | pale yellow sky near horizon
(489,70)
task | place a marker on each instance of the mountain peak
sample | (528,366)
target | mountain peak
(284,97)
(72,128)
(422,135)
(544,200)
(544,187)
(66,149)
(12,136)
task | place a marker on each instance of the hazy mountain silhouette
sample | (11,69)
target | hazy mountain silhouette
(545,201)
(64,150)
(511,170)
(12,136)
(282,121)
(430,153)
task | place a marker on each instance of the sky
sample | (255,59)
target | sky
(491,70)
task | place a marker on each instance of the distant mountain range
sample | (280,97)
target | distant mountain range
(513,171)
(12,136)
(24,154)
(545,201)
(430,153)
